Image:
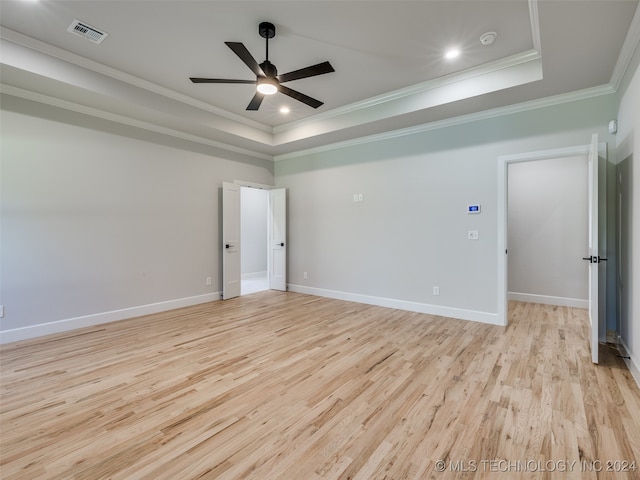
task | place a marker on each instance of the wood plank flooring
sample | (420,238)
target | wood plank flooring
(288,386)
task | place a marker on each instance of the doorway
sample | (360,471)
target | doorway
(274,242)
(503,164)
(596,291)
(254,209)
(547,231)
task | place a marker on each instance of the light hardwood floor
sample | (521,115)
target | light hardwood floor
(288,386)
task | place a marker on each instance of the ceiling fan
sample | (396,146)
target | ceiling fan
(267,79)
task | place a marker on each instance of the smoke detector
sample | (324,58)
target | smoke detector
(86,31)
(488,38)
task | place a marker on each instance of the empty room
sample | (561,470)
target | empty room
(319,239)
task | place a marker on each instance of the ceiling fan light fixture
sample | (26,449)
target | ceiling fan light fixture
(267,80)
(267,86)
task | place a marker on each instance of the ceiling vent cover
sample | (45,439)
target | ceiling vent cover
(84,30)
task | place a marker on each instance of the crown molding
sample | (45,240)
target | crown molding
(66,56)
(414,90)
(629,47)
(460,120)
(379,107)
(124,120)
(535,25)
(504,63)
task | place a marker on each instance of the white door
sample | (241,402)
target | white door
(277,239)
(230,240)
(593,258)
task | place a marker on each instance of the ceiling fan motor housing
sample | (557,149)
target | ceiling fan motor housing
(267,30)
(269,69)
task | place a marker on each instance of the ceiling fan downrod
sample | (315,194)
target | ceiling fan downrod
(267,30)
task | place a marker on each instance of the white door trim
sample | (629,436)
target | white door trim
(503,162)
(231,246)
(277,239)
(260,186)
(229,291)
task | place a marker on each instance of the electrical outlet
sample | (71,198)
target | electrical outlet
(436,290)
(472,234)
(304,275)
(1,311)
(360,197)
(208,281)
(355,197)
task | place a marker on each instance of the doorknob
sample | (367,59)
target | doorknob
(282,244)
(595,259)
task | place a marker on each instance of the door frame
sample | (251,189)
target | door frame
(502,211)
(230,244)
(260,186)
(277,239)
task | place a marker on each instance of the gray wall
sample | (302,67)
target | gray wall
(98,218)
(253,230)
(410,232)
(628,148)
(548,231)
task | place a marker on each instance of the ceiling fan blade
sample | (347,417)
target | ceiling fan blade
(241,51)
(301,97)
(312,71)
(218,80)
(255,102)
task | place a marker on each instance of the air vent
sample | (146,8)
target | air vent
(87,31)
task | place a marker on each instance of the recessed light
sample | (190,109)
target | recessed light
(453,53)
(284,110)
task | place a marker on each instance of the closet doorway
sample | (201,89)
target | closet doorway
(254,209)
(244,241)
(595,152)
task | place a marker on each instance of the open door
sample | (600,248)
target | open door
(277,263)
(593,258)
(230,240)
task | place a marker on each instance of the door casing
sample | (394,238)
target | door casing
(231,244)
(502,247)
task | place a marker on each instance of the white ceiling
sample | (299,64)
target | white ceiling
(388,56)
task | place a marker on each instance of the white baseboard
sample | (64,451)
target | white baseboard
(459,313)
(33,331)
(548,300)
(632,363)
